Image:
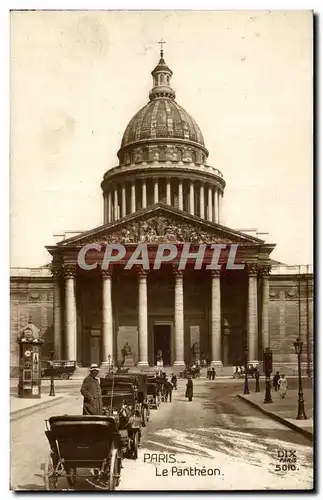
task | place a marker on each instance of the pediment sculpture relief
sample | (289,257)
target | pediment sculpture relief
(159,230)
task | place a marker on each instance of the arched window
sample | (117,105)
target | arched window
(162,79)
(167,77)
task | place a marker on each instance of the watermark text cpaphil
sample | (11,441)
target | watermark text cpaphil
(148,256)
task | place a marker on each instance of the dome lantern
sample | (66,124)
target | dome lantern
(162,76)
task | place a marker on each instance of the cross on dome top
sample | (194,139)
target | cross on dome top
(161,47)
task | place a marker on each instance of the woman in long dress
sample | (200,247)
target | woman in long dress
(282,384)
(189,389)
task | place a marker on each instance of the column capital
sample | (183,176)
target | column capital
(177,273)
(215,273)
(264,270)
(69,270)
(106,273)
(252,269)
(141,273)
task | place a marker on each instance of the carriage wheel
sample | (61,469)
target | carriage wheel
(134,446)
(64,376)
(50,479)
(71,477)
(114,473)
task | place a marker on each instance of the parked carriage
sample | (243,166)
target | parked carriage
(87,442)
(154,390)
(120,397)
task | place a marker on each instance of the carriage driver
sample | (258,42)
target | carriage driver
(91,391)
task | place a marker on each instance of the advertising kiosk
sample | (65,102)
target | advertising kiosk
(30,342)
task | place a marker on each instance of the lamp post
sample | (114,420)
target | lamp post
(52,388)
(257,380)
(109,361)
(301,415)
(246,388)
(268,363)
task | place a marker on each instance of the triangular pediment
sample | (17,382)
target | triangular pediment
(161,224)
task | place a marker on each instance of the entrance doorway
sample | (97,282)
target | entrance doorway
(162,342)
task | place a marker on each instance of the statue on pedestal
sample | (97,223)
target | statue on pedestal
(195,352)
(125,351)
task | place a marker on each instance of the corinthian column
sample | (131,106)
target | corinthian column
(109,206)
(216,319)
(123,201)
(105,208)
(192,198)
(57,313)
(144,194)
(209,204)
(156,193)
(252,315)
(143,319)
(179,319)
(70,312)
(215,205)
(265,271)
(202,203)
(133,197)
(107,324)
(168,192)
(116,203)
(180,194)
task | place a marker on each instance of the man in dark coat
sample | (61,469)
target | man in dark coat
(168,390)
(213,374)
(189,389)
(91,391)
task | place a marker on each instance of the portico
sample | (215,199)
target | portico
(226,310)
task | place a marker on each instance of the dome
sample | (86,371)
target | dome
(162,118)
(162,130)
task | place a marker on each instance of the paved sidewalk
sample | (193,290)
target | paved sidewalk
(285,410)
(22,406)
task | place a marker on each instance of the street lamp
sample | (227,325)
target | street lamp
(257,374)
(268,368)
(109,361)
(52,388)
(301,415)
(246,388)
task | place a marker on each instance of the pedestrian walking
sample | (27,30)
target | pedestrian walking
(275,381)
(213,373)
(168,390)
(209,372)
(174,381)
(282,384)
(189,389)
(91,392)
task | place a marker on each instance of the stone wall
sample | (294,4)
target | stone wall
(290,317)
(30,298)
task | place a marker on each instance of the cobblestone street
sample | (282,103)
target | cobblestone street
(215,431)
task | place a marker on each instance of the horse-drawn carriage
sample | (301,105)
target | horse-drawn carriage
(190,371)
(87,442)
(240,370)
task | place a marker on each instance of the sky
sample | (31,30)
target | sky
(78,77)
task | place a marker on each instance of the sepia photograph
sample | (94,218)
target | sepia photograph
(161,250)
